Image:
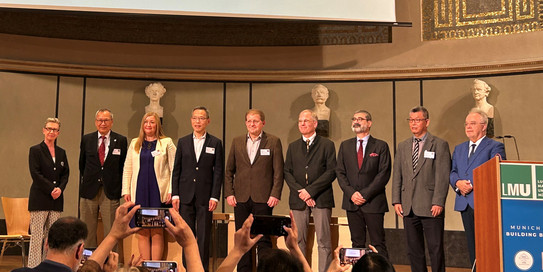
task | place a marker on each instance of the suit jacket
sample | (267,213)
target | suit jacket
(426,186)
(202,179)
(46,175)
(163,168)
(370,180)
(462,169)
(260,180)
(319,164)
(92,173)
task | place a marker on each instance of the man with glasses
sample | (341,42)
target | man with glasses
(254,177)
(197,178)
(363,171)
(101,160)
(466,157)
(419,191)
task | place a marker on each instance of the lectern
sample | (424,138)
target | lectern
(509,216)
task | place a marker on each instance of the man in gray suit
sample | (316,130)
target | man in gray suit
(419,190)
(309,172)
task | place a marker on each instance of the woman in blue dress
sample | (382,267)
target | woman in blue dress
(146,179)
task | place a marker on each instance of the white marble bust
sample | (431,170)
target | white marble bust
(155,91)
(319,93)
(480,91)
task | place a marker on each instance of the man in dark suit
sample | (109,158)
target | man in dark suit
(254,176)
(65,243)
(466,157)
(101,160)
(197,178)
(419,191)
(309,172)
(363,171)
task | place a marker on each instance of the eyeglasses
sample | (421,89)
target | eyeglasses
(471,124)
(102,120)
(198,118)
(54,130)
(416,121)
(359,119)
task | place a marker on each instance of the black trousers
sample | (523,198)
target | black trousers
(199,219)
(416,228)
(359,221)
(469,226)
(241,212)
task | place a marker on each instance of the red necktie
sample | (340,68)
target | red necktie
(360,154)
(102,150)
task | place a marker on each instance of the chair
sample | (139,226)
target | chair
(17,223)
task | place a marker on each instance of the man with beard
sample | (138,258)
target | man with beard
(363,170)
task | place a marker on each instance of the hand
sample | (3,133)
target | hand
(291,240)
(273,201)
(120,227)
(168,198)
(242,238)
(310,203)
(436,210)
(399,210)
(231,200)
(303,195)
(181,231)
(127,197)
(134,261)
(335,265)
(175,204)
(464,186)
(212,205)
(373,248)
(56,193)
(357,198)
(112,263)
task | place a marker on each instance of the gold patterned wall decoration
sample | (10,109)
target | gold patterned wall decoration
(461,19)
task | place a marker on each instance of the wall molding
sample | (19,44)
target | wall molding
(64,69)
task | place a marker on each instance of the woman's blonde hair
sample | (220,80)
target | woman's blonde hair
(159,132)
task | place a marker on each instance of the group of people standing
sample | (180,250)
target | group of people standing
(153,172)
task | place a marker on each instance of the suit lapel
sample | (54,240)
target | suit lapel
(45,151)
(111,147)
(311,153)
(370,146)
(206,143)
(428,144)
(260,146)
(484,143)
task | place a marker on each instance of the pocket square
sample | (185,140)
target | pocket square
(374,155)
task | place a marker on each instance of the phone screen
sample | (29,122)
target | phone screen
(351,255)
(152,217)
(160,266)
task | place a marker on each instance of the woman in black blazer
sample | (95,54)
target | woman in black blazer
(49,170)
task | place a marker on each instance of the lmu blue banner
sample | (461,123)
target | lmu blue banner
(522,216)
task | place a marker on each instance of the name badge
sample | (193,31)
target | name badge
(155,153)
(264,152)
(429,154)
(210,150)
(116,151)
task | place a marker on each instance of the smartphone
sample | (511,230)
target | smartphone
(152,217)
(160,266)
(351,255)
(87,252)
(270,225)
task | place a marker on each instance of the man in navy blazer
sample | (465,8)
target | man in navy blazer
(466,157)
(197,178)
(101,178)
(363,171)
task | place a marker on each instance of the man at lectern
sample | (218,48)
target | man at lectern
(466,157)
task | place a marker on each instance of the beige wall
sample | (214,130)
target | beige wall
(27,99)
